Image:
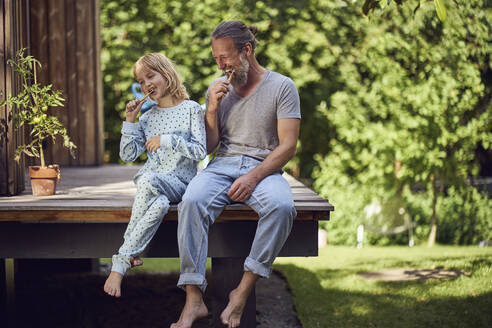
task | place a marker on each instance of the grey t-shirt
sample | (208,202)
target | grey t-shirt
(248,126)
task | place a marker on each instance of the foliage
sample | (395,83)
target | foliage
(464,215)
(417,96)
(400,87)
(370,5)
(33,102)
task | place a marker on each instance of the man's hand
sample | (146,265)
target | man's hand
(153,144)
(216,92)
(242,188)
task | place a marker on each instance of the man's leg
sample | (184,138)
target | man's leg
(202,203)
(272,200)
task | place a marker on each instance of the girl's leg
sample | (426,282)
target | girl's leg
(154,193)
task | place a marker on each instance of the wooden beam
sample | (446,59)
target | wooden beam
(85,80)
(12,34)
(56,62)
(111,215)
(98,80)
(96,240)
(71,88)
(3,110)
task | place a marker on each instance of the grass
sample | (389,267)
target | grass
(329,293)
(156,265)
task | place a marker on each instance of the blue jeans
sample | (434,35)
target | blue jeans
(204,200)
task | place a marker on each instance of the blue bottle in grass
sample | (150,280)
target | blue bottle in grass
(137,93)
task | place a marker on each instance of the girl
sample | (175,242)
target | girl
(173,133)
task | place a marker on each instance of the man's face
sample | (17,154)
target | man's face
(229,58)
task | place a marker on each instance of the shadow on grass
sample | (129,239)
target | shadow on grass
(320,304)
(430,262)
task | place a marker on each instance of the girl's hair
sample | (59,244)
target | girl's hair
(238,31)
(160,63)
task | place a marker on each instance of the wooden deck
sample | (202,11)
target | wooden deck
(89,213)
(105,194)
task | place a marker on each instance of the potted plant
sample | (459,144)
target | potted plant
(32,104)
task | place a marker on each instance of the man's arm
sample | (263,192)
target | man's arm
(212,129)
(216,92)
(288,133)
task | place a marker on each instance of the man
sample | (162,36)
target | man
(253,118)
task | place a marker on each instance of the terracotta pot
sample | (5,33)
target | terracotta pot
(43,179)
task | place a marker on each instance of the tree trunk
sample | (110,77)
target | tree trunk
(435,196)
(432,235)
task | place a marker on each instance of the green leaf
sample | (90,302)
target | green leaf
(440,9)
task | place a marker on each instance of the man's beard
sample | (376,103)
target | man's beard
(240,76)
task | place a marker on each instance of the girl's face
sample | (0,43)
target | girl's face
(151,80)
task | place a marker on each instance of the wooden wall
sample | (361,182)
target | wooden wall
(13,36)
(65,38)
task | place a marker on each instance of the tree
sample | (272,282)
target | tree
(417,92)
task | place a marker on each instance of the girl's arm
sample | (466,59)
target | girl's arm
(195,148)
(132,143)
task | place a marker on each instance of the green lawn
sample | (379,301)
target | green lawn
(329,293)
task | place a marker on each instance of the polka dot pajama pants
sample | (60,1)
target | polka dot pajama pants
(155,192)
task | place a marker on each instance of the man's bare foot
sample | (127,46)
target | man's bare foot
(231,316)
(112,286)
(193,310)
(135,261)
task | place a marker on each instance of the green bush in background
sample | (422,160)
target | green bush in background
(414,108)
(398,105)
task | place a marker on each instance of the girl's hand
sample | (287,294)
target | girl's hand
(153,143)
(132,109)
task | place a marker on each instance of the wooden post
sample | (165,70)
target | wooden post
(12,37)
(7,292)
(3,289)
(226,275)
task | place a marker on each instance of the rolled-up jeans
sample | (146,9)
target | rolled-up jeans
(204,201)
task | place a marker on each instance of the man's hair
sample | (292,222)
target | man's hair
(238,31)
(164,66)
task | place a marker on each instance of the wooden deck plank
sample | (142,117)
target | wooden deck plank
(106,193)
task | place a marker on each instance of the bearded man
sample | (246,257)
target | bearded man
(252,122)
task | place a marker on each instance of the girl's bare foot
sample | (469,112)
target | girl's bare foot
(135,261)
(112,286)
(193,310)
(231,316)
